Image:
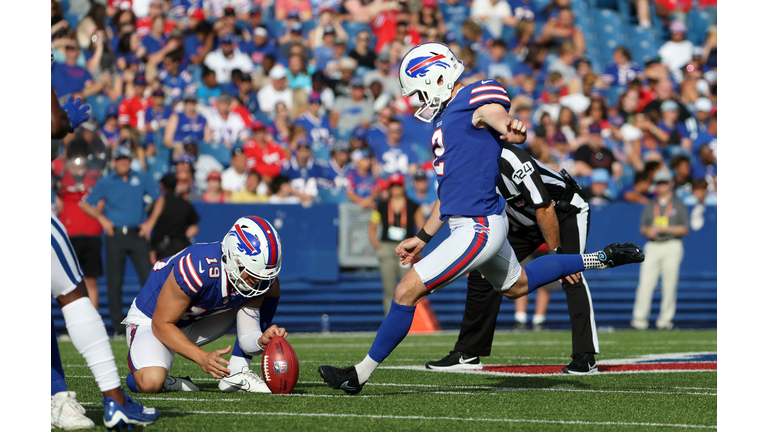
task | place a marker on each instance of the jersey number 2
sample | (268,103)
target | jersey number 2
(438,148)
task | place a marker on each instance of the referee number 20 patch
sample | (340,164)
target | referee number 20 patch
(522,173)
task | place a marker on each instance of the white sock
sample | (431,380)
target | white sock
(236,364)
(538,319)
(521,317)
(89,336)
(365,368)
(592,262)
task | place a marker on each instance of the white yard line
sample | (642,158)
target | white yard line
(420,418)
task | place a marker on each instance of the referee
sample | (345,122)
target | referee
(542,207)
(126,225)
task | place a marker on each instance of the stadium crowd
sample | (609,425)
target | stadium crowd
(298,101)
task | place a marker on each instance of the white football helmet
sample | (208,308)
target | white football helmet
(254,246)
(420,71)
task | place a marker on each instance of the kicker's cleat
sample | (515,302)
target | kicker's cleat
(244,381)
(174,384)
(67,414)
(341,378)
(582,364)
(456,360)
(117,416)
(618,254)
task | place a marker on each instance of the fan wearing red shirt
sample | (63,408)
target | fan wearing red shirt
(264,157)
(73,181)
(132,107)
(144,25)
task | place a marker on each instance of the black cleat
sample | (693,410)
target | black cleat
(582,364)
(456,360)
(618,254)
(341,378)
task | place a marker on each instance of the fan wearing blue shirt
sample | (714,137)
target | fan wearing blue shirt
(454,13)
(317,126)
(68,77)
(175,82)
(303,172)
(623,70)
(396,157)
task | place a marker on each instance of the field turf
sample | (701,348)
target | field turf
(415,399)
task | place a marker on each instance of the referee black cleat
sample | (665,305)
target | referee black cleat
(618,254)
(341,378)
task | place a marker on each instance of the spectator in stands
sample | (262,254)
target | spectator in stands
(623,146)
(264,155)
(175,82)
(498,67)
(708,136)
(73,180)
(260,46)
(423,191)
(303,172)
(705,166)
(187,123)
(362,52)
(350,112)
(664,222)
(628,104)
(395,157)
(293,37)
(598,112)
(493,15)
(472,72)
(226,127)
(250,193)
(298,74)
(428,17)
(560,30)
(638,191)
(156,118)
(68,78)
(597,193)
(246,95)
(342,86)
(282,192)
(204,163)
(335,170)
(125,223)
(226,58)
(177,224)
(552,105)
(675,10)
(678,51)
(210,90)
(534,65)
(593,154)
(280,127)
(622,70)
(560,151)
(681,168)
(361,183)
(702,107)
(454,14)
(111,129)
(674,132)
(700,195)
(358,139)
(316,125)
(284,8)
(324,51)
(213,191)
(184,166)
(233,178)
(276,91)
(399,218)
(564,65)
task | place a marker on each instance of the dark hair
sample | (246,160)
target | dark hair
(624,51)
(169,182)
(498,43)
(652,165)
(207,71)
(98,13)
(175,56)
(677,160)
(78,147)
(254,172)
(641,176)
(237,74)
(124,46)
(700,184)
(278,181)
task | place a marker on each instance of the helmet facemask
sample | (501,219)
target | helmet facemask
(241,286)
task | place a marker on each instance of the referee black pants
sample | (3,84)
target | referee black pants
(117,247)
(483,302)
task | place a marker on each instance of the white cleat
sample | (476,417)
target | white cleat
(67,414)
(245,381)
(175,384)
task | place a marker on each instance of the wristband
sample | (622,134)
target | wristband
(423,236)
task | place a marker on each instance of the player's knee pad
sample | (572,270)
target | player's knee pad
(89,336)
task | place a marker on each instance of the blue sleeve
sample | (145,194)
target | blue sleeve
(682,131)
(97,193)
(151,187)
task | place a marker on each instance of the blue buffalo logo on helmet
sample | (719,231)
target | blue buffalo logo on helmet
(247,243)
(419,66)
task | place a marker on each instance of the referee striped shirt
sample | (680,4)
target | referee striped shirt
(526,184)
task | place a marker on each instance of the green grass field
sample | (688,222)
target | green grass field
(405,399)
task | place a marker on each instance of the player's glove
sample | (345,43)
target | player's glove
(77,113)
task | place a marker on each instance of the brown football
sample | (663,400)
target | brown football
(280,366)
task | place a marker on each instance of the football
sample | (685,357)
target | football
(280,366)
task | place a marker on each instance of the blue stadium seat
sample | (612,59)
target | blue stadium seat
(541,4)
(354,27)
(698,21)
(609,29)
(73,19)
(218,151)
(99,104)
(642,44)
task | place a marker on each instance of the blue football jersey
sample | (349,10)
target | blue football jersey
(199,272)
(467,158)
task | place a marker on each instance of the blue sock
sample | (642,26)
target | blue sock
(238,352)
(268,309)
(392,331)
(130,382)
(550,268)
(57,370)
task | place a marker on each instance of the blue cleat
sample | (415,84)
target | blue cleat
(117,416)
